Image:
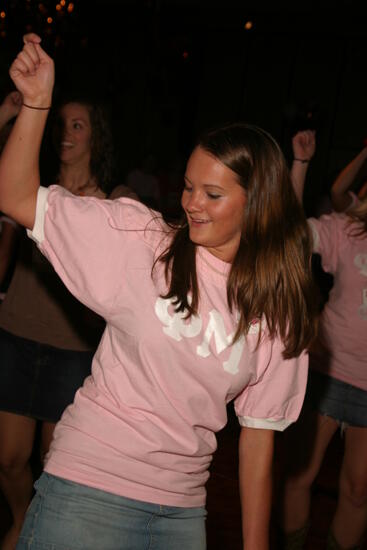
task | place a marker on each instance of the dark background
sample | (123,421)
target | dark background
(168,69)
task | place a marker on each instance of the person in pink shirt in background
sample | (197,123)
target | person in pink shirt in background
(337,391)
(342,197)
(218,307)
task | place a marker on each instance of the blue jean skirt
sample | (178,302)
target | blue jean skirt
(331,397)
(66,515)
(38,380)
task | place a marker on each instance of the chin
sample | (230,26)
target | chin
(199,242)
(196,240)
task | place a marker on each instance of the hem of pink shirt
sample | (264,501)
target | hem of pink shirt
(153,496)
(264,423)
(333,372)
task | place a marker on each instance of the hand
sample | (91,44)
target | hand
(304,145)
(11,105)
(33,72)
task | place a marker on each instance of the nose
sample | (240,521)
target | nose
(61,133)
(65,130)
(193,202)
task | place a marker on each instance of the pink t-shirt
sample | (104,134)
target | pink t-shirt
(342,348)
(143,424)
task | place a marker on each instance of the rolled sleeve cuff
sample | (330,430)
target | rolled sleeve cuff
(264,423)
(315,236)
(37,234)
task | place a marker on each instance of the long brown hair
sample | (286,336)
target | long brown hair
(270,276)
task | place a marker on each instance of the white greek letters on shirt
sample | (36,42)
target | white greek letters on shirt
(176,327)
(222,341)
(360,261)
(231,365)
(215,327)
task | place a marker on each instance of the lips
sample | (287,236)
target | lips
(198,224)
(66,144)
(198,220)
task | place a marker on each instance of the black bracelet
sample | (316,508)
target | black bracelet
(37,108)
(304,161)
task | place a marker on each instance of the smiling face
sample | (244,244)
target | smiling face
(214,203)
(73,134)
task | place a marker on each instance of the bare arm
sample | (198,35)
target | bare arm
(303,145)
(339,191)
(33,74)
(256,449)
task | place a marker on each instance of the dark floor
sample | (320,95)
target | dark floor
(223,525)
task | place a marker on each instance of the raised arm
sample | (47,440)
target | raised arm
(303,145)
(256,449)
(339,191)
(33,74)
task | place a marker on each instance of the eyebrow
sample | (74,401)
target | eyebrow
(211,185)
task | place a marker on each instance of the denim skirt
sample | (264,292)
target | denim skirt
(64,515)
(331,397)
(38,380)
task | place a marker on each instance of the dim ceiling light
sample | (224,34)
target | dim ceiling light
(49,20)
(248,25)
(3,15)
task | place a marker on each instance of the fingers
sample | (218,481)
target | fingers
(16,97)
(305,136)
(33,71)
(31,55)
(42,54)
(17,100)
(309,137)
(31,38)
(28,60)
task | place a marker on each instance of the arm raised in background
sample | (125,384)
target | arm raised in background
(256,448)
(303,145)
(340,197)
(33,75)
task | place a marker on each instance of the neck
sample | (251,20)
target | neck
(73,176)
(78,180)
